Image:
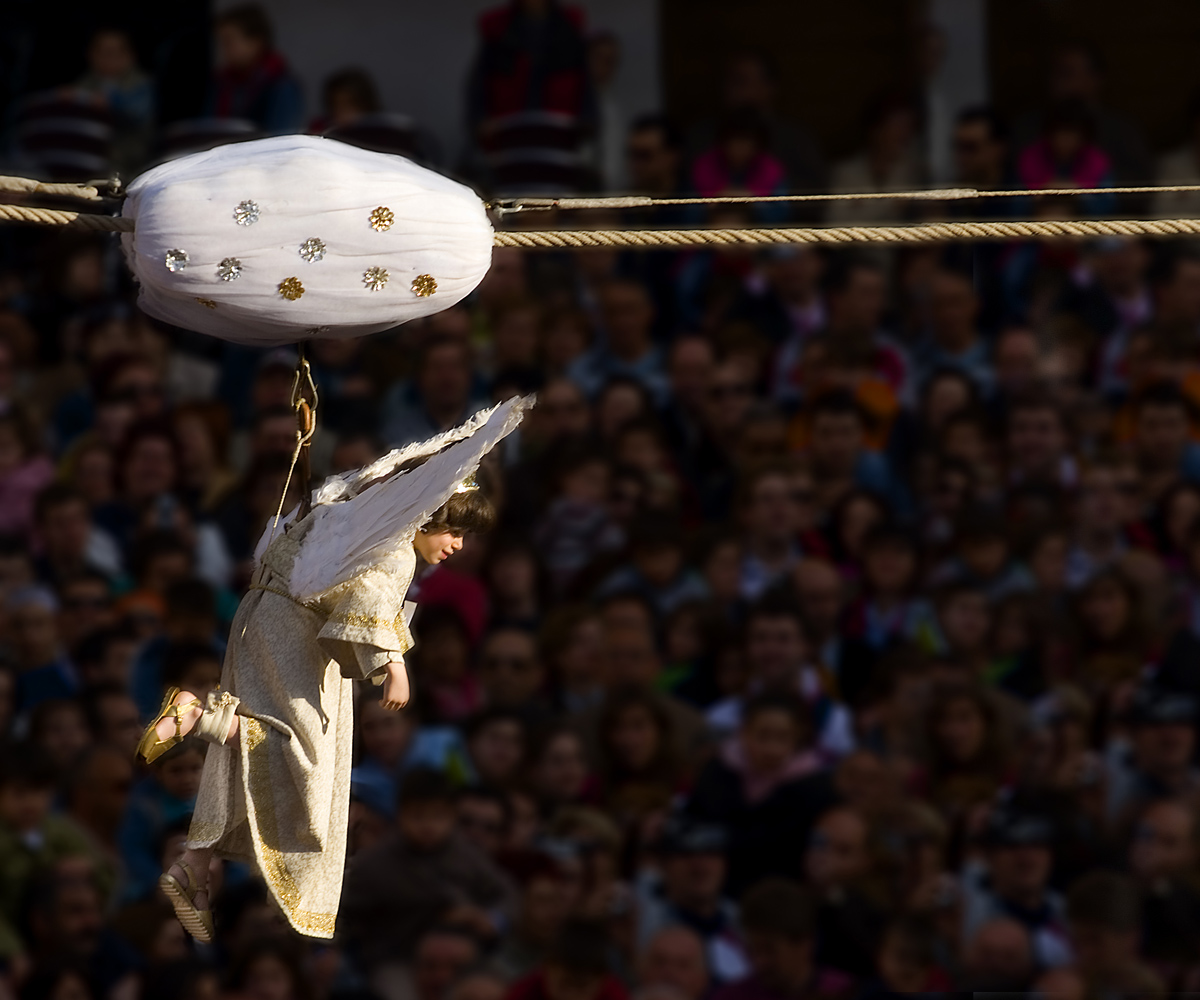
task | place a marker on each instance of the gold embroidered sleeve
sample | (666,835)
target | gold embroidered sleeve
(366,626)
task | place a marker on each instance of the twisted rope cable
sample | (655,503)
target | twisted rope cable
(57,217)
(27,185)
(932,232)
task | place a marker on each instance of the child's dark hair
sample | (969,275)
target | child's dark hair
(177,827)
(425,785)
(188,745)
(484,718)
(470,511)
(180,657)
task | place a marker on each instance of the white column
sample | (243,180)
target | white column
(962,78)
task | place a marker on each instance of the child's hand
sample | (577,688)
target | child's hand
(395,686)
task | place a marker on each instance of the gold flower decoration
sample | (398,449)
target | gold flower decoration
(207,303)
(375,278)
(424,285)
(291,289)
(382,219)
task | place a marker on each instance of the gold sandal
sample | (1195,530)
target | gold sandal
(150,747)
(198,923)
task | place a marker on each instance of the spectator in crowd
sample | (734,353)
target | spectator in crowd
(689,894)
(115,78)
(424,874)
(349,95)
(1076,75)
(674,957)
(253,80)
(532,61)
(439,396)
(891,162)
(750,84)
(780,927)
(1018,857)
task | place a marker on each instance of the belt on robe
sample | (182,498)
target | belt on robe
(284,593)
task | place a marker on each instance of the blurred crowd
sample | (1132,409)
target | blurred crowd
(840,638)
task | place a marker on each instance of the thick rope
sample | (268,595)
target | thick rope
(56,217)
(27,185)
(929,233)
(938,194)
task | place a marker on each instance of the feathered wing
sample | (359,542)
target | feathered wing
(350,536)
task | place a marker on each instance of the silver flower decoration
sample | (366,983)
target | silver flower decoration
(176,260)
(245,213)
(312,250)
(375,278)
(229,269)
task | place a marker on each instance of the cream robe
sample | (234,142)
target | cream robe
(279,795)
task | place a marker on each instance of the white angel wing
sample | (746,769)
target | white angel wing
(352,535)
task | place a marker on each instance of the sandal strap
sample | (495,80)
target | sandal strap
(177,710)
(191,877)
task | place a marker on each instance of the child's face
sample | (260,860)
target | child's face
(180,776)
(1066,143)
(768,741)
(889,569)
(961,730)
(385,735)
(443,655)
(587,484)
(65,734)
(23,807)
(634,738)
(1049,562)
(900,971)
(984,557)
(497,749)
(965,621)
(426,826)
(659,564)
(641,450)
(564,342)
(739,151)
(110,55)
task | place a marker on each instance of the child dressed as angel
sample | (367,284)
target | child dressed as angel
(326,607)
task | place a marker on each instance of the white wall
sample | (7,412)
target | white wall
(419,51)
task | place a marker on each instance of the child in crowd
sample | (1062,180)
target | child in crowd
(162,800)
(422,875)
(450,691)
(658,570)
(115,79)
(765,786)
(24,472)
(32,838)
(890,610)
